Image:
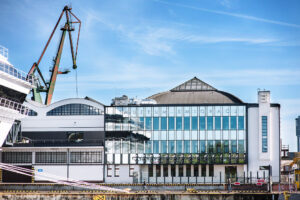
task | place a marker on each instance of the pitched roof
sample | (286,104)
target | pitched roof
(193,84)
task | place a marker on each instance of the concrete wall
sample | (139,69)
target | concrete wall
(86,172)
(256,157)
(57,170)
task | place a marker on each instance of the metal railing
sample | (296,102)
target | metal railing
(14,105)
(16,73)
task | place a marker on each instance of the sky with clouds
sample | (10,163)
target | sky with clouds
(141,47)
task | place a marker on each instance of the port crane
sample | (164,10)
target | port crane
(48,87)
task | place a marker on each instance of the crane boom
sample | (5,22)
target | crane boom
(48,87)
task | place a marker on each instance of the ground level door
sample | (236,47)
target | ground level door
(230,172)
(11,177)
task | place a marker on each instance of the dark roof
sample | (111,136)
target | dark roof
(195,91)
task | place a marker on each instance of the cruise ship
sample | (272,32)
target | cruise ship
(14,87)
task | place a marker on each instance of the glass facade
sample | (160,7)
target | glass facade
(200,133)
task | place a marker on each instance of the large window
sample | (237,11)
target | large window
(155,146)
(264,123)
(164,146)
(241,122)
(178,123)
(194,146)
(155,124)
(202,146)
(210,123)
(163,123)
(202,123)
(171,146)
(233,146)
(74,109)
(179,146)
(217,123)
(194,123)
(186,123)
(32,113)
(233,122)
(187,146)
(225,123)
(210,145)
(148,123)
(226,146)
(241,146)
(17,157)
(171,123)
(86,157)
(51,157)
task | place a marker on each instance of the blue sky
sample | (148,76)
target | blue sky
(141,47)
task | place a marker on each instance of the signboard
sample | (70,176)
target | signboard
(259,183)
(40,170)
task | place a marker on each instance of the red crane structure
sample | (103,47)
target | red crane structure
(48,87)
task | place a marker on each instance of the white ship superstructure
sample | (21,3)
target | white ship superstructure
(14,87)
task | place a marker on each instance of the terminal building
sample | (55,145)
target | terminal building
(193,133)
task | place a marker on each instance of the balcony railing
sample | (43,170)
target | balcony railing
(14,105)
(16,73)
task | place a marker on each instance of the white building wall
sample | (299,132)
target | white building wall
(60,171)
(86,172)
(256,157)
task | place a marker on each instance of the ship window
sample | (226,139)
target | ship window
(17,157)
(74,109)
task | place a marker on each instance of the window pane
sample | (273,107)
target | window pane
(186,123)
(163,123)
(186,146)
(171,146)
(148,146)
(218,123)
(210,146)
(241,146)
(233,122)
(241,122)
(142,123)
(163,146)
(202,123)
(178,123)
(155,123)
(233,146)
(218,146)
(194,146)
(210,123)
(148,123)
(226,146)
(202,147)
(225,123)
(171,123)
(155,146)
(178,146)
(150,170)
(194,123)
(166,171)
(203,170)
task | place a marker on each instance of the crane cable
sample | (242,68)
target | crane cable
(76,83)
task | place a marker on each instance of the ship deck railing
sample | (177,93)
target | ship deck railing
(9,69)
(14,105)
